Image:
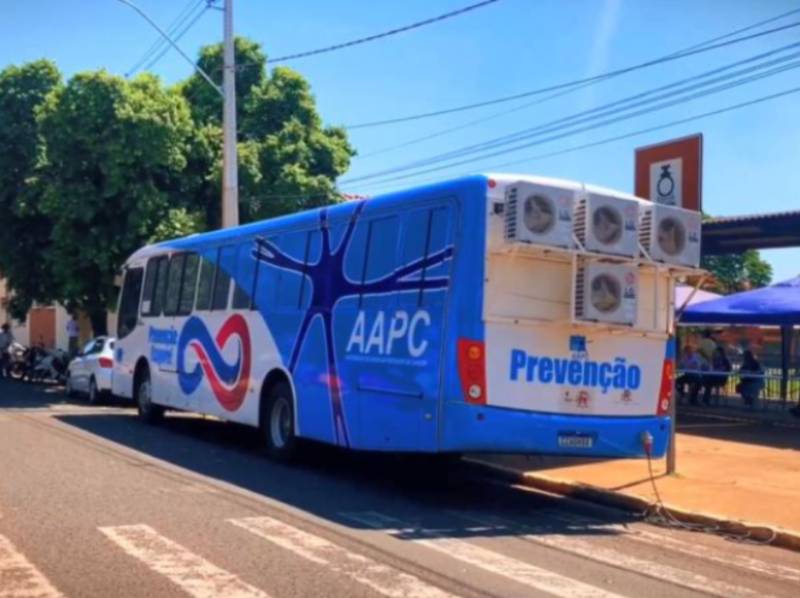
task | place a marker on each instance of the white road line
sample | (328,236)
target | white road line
(19,578)
(192,573)
(697,550)
(608,556)
(488,560)
(382,578)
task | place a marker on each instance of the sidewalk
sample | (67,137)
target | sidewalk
(732,470)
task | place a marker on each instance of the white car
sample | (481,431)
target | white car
(90,372)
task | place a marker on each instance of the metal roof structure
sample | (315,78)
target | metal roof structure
(760,231)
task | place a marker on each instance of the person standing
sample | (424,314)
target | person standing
(708,346)
(73,332)
(6,339)
(752,378)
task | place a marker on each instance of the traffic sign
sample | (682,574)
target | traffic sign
(671,173)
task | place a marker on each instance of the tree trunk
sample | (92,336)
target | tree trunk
(99,319)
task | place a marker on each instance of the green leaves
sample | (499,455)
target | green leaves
(93,169)
(737,272)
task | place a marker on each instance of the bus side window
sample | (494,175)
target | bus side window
(426,233)
(222,282)
(243,279)
(153,302)
(129,303)
(288,283)
(149,285)
(205,284)
(380,257)
(173,293)
(188,284)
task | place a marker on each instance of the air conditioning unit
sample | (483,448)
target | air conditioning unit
(607,293)
(539,214)
(670,234)
(607,224)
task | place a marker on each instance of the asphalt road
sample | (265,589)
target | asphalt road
(95,503)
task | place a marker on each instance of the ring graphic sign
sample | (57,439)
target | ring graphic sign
(670,173)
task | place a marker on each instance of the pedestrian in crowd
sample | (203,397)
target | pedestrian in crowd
(717,378)
(6,340)
(692,365)
(73,332)
(751,378)
(707,346)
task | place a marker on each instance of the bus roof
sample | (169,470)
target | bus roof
(298,219)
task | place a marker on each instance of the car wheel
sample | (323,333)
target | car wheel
(148,411)
(278,423)
(93,395)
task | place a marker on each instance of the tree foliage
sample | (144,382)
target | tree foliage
(737,272)
(112,151)
(92,169)
(24,233)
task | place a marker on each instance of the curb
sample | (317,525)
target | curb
(636,504)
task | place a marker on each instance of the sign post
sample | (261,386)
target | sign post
(671,173)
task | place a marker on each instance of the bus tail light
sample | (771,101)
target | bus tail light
(472,370)
(106,362)
(667,384)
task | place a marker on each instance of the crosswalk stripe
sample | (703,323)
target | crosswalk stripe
(705,552)
(602,554)
(192,573)
(382,578)
(489,560)
(19,578)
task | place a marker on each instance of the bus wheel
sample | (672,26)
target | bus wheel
(278,423)
(148,411)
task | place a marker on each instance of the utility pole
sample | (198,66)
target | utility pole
(230,174)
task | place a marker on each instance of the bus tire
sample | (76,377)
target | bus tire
(277,422)
(148,411)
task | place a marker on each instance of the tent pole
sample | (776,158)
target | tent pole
(786,347)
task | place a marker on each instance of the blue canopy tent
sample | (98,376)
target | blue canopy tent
(775,305)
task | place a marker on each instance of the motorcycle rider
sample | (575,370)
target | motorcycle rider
(6,339)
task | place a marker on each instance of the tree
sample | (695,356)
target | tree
(112,153)
(288,160)
(25,232)
(737,272)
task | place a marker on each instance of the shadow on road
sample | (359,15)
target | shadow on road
(28,395)
(338,485)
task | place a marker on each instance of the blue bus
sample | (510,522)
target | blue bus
(417,321)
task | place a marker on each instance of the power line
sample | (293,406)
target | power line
(377,36)
(638,132)
(603,110)
(569,84)
(177,36)
(159,43)
(603,123)
(472,123)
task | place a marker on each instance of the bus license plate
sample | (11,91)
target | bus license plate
(581,441)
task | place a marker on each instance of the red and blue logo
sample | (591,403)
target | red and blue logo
(228,381)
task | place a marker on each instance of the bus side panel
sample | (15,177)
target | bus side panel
(388,337)
(465,309)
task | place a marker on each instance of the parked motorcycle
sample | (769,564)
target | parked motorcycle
(51,366)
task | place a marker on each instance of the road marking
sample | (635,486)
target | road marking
(192,573)
(488,560)
(698,550)
(609,556)
(19,578)
(382,578)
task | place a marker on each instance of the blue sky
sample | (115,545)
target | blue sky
(751,158)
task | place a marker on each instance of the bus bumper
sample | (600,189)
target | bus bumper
(469,428)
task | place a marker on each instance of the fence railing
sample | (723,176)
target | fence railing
(770,395)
